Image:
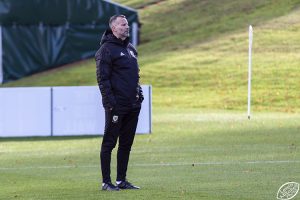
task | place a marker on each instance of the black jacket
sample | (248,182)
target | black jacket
(118,73)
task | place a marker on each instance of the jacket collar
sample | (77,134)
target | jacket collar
(109,37)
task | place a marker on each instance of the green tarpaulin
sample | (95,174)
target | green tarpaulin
(43,34)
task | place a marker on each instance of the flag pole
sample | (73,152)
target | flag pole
(249,69)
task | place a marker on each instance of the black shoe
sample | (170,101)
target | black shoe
(126,185)
(109,187)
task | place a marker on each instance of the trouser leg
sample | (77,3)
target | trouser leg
(111,132)
(126,138)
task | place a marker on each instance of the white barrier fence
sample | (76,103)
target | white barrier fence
(60,111)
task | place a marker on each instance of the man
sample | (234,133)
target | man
(118,80)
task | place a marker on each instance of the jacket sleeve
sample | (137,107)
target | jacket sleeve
(140,92)
(139,88)
(103,72)
(141,96)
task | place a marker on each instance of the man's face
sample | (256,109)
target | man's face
(120,28)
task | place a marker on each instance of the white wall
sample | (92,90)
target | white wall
(59,111)
(25,112)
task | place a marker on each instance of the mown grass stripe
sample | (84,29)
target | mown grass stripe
(158,164)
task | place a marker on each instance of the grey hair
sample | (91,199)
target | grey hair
(114,18)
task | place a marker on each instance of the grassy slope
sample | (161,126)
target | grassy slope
(194,53)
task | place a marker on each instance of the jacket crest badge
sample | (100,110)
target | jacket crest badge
(115,119)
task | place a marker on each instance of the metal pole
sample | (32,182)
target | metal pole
(134,34)
(249,69)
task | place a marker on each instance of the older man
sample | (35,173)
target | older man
(118,80)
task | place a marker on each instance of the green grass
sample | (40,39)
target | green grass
(230,155)
(194,54)
(138,4)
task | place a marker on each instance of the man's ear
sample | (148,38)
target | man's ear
(113,28)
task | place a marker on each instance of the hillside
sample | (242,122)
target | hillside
(194,54)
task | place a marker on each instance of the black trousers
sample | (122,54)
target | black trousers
(118,125)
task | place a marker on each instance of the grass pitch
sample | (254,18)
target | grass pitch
(191,154)
(194,54)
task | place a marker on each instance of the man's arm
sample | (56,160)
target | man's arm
(139,88)
(140,91)
(141,96)
(104,70)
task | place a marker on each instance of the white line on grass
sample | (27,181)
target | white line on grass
(219,163)
(158,164)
